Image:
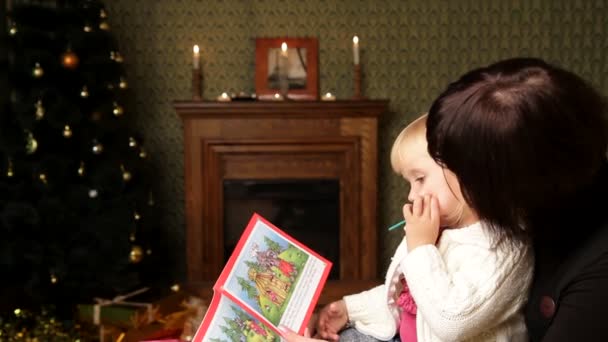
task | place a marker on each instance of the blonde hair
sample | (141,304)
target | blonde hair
(414,135)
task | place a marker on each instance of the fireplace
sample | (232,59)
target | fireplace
(308,167)
(308,210)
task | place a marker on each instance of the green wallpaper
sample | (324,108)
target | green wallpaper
(410,50)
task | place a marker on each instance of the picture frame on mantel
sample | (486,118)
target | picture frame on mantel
(298,66)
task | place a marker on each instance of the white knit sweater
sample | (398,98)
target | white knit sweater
(467,288)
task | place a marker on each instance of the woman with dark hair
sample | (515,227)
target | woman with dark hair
(527,141)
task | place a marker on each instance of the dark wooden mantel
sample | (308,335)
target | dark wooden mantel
(282,140)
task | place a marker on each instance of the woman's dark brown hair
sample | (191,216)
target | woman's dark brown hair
(522,136)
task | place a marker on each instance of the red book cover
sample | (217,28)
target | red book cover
(271,279)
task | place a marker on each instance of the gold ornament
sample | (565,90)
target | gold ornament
(81,169)
(9,170)
(136,255)
(42,178)
(31,145)
(117,111)
(39,110)
(122,84)
(84,92)
(116,57)
(67,131)
(97,147)
(136,216)
(132,237)
(104,25)
(175,288)
(87,28)
(53,279)
(126,175)
(38,71)
(142,154)
(132,142)
(13,30)
(69,60)
(103,14)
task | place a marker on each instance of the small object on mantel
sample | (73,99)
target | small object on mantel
(224,97)
(277,97)
(244,96)
(328,97)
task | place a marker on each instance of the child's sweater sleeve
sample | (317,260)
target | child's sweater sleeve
(369,312)
(461,299)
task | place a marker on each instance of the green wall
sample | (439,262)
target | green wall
(410,51)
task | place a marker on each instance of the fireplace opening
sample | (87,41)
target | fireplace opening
(308,210)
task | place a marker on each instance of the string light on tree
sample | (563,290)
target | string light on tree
(132,237)
(118,110)
(84,92)
(13,29)
(142,154)
(123,83)
(81,169)
(31,144)
(87,28)
(39,110)
(42,178)
(136,216)
(126,175)
(9,169)
(67,131)
(103,14)
(93,193)
(132,142)
(53,279)
(97,147)
(37,72)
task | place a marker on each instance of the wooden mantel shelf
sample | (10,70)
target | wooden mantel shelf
(282,140)
(307,109)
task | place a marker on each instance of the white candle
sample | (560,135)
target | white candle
(284,49)
(356,50)
(328,97)
(224,97)
(196,57)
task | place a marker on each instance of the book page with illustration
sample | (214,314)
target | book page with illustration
(271,279)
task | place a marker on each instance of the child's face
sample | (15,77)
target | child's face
(427,177)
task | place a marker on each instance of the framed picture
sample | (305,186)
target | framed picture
(293,70)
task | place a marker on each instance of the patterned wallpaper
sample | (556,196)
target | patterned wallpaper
(410,51)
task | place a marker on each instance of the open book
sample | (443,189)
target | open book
(269,280)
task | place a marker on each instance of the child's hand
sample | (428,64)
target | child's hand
(422,217)
(291,336)
(332,319)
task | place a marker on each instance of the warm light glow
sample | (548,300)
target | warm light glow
(195,49)
(224,95)
(356,40)
(284,47)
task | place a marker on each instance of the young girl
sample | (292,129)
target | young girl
(451,278)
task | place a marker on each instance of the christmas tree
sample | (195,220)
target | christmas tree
(76,205)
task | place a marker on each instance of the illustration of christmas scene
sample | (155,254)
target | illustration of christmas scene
(270,275)
(238,326)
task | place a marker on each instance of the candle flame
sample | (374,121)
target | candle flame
(356,40)
(284,47)
(195,49)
